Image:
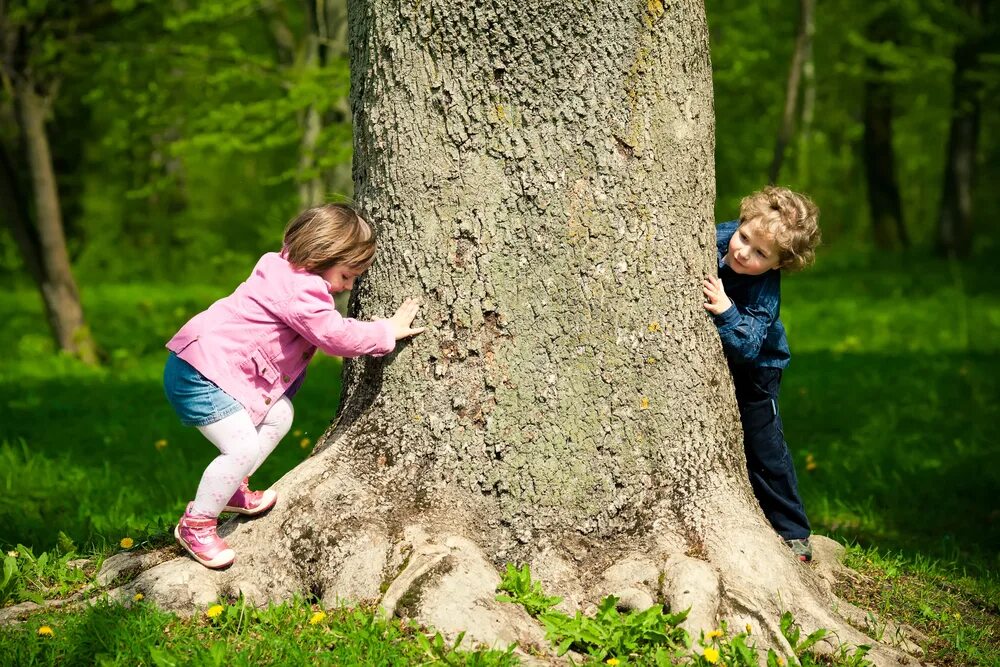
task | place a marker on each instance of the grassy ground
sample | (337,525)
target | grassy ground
(889,407)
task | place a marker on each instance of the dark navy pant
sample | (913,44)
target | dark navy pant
(772,474)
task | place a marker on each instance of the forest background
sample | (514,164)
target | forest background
(184,135)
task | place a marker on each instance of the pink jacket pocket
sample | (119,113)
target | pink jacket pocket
(263,366)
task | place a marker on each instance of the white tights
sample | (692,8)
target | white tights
(244,447)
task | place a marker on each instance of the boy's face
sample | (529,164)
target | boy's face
(341,277)
(752,250)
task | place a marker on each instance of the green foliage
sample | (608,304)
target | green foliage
(27,577)
(652,636)
(518,587)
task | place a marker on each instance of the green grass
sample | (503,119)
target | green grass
(294,633)
(890,407)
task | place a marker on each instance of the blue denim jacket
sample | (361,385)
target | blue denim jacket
(750,330)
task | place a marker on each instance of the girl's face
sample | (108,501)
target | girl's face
(341,277)
(752,251)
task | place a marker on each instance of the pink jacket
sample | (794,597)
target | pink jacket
(255,342)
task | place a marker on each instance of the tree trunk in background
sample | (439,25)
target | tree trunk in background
(803,47)
(58,287)
(543,176)
(954,237)
(324,35)
(884,201)
(808,93)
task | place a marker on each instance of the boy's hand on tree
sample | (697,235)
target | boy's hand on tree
(716,300)
(403,319)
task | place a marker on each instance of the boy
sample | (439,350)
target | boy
(777,231)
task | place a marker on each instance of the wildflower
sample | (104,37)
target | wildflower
(126,543)
(160,444)
(297,432)
(612,661)
(318,617)
(304,442)
(711,655)
(650,360)
(781,661)
(957,615)
(214,611)
(644,403)
(654,327)
(45,631)
(810,463)
(713,634)
(12,553)
(749,629)
(138,597)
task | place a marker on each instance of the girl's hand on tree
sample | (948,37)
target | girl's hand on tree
(717,301)
(401,321)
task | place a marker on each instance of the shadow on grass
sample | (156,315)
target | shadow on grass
(904,449)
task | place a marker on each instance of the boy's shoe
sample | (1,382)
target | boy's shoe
(196,533)
(251,503)
(801,548)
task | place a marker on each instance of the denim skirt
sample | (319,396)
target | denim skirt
(197,400)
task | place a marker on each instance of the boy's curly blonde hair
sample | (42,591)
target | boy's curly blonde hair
(320,237)
(790,218)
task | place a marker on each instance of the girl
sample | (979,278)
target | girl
(233,368)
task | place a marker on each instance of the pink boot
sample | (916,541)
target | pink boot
(248,502)
(196,533)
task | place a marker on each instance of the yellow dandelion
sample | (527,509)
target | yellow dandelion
(138,597)
(654,327)
(297,432)
(781,661)
(644,403)
(711,655)
(713,634)
(214,611)
(45,631)
(612,661)
(810,463)
(126,543)
(160,444)
(318,617)
(650,360)
(305,442)
(749,629)
(957,615)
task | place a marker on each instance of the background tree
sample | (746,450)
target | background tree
(34,38)
(801,58)
(543,176)
(884,202)
(955,229)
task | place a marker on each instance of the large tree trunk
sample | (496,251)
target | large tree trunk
(58,287)
(954,236)
(543,177)
(884,203)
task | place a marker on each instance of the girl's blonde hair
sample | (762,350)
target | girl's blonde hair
(320,237)
(790,218)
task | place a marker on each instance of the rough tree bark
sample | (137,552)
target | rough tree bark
(542,174)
